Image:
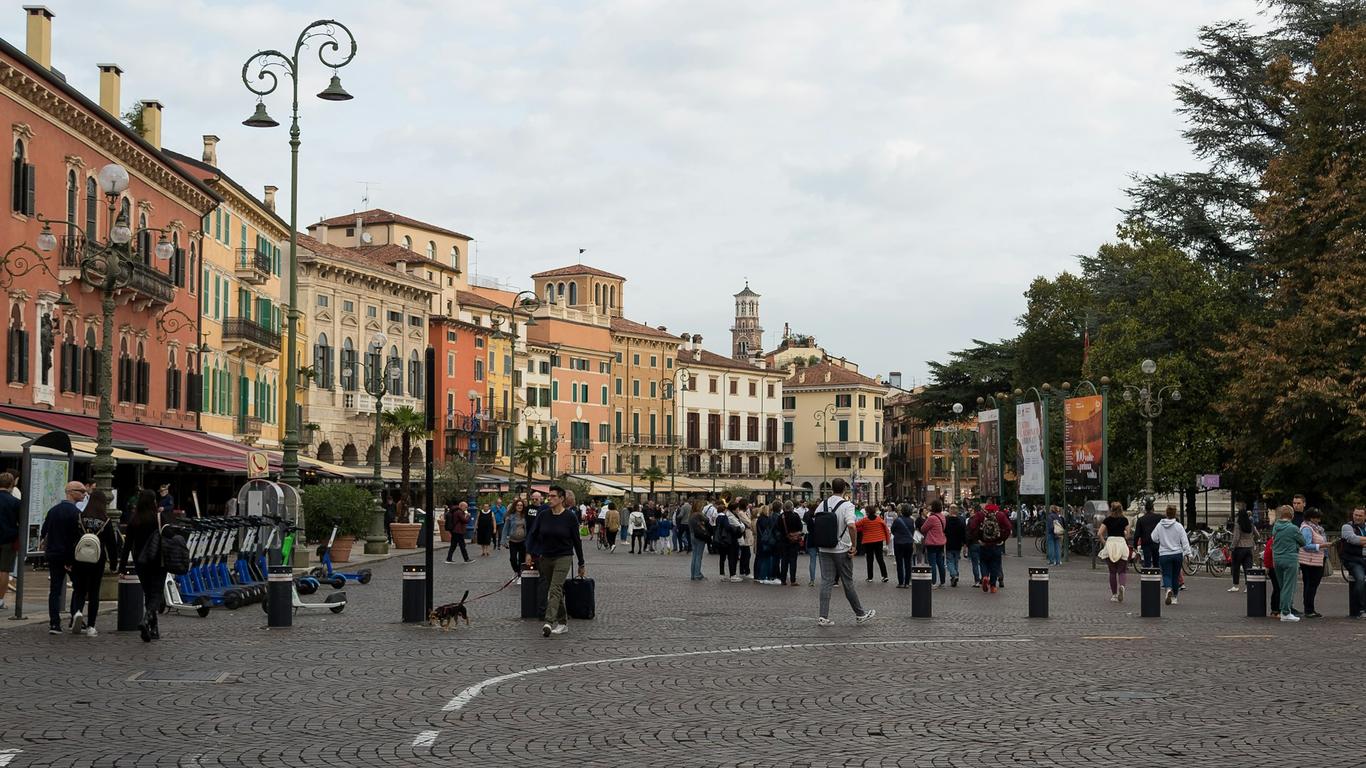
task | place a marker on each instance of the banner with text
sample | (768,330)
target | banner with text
(989,453)
(1029,439)
(1083,433)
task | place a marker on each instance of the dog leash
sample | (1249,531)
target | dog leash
(496,591)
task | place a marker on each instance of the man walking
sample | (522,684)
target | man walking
(457,519)
(1143,534)
(831,527)
(9,533)
(990,528)
(61,529)
(555,537)
(499,512)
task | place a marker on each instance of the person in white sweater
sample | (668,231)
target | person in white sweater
(1172,546)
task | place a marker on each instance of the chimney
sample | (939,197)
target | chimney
(894,379)
(401,266)
(697,340)
(39,46)
(211,149)
(827,376)
(269,200)
(663,329)
(110,78)
(359,230)
(685,340)
(151,122)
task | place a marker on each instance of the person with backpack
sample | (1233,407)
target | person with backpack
(831,528)
(98,545)
(143,524)
(763,545)
(1054,530)
(813,552)
(990,528)
(9,533)
(1143,534)
(746,543)
(700,533)
(60,531)
(1353,558)
(725,538)
(1311,558)
(636,522)
(790,530)
(903,545)
(456,520)
(1244,539)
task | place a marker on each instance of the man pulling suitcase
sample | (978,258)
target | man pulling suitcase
(554,537)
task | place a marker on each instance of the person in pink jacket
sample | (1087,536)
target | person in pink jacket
(933,531)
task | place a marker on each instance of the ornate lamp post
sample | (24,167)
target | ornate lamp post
(267,63)
(526,302)
(956,441)
(1150,407)
(823,417)
(377,372)
(108,268)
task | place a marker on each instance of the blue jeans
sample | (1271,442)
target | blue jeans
(761,569)
(951,557)
(1149,552)
(975,555)
(937,569)
(1358,586)
(990,560)
(697,552)
(903,553)
(815,557)
(1171,571)
(1054,549)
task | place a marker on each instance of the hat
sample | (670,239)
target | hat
(165,487)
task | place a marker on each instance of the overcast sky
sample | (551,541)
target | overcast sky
(888,175)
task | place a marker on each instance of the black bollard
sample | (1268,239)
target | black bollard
(1256,593)
(920,592)
(280,591)
(414,593)
(1038,593)
(531,595)
(1151,589)
(130,602)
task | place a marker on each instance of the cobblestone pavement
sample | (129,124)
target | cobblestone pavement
(678,673)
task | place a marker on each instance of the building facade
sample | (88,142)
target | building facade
(463,428)
(643,428)
(746,334)
(920,458)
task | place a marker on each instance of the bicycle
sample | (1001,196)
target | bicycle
(1211,553)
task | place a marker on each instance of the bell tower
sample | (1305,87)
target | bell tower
(746,336)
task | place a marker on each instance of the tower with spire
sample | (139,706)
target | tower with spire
(747,336)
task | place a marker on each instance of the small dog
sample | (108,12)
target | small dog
(450,613)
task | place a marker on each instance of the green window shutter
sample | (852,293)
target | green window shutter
(217,224)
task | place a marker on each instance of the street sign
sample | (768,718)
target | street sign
(258,464)
(1207,482)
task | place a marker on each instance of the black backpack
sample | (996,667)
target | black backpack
(724,535)
(825,526)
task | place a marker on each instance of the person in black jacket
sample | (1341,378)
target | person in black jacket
(60,532)
(700,533)
(1143,534)
(555,538)
(955,537)
(151,574)
(85,577)
(9,532)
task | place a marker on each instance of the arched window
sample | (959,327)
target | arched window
(573,294)
(194,267)
(92,207)
(177,261)
(69,380)
(16,362)
(407,242)
(349,455)
(431,250)
(597,294)
(21,182)
(322,361)
(90,364)
(73,192)
(194,383)
(348,366)
(374,361)
(394,367)
(144,240)
(172,382)
(559,291)
(612,297)
(549,293)
(414,374)
(455,257)
(125,373)
(142,377)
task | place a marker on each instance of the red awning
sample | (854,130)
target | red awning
(184,446)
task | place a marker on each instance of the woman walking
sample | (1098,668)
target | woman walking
(935,540)
(483,530)
(1311,558)
(151,573)
(85,576)
(1244,539)
(635,521)
(1054,528)
(1115,550)
(764,544)
(1172,545)
(1286,543)
(872,534)
(903,545)
(514,533)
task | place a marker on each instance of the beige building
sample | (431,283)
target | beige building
(361,310)
(643,428)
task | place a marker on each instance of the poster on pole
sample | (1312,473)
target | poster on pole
(1082,434)
(1030,439)
(47,478)
(988,452)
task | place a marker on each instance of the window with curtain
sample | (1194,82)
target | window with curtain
(414,374)
(125,387)
(172,383)
(142,377)
(16,361)
(322,361)
(22,182)
(90,365)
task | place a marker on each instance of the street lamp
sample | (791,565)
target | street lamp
(377,372)
(1150,407)
(823,417)
(956,441)
(107,267)
(268,62)
(528,302)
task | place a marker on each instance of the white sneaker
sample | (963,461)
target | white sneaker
(1289,617)
(824,622)
(1170,597)
(737,578)
(546,630)
(1233,588)
(77,623)
(1173,601)
(90,632)
(1121,593)
(867,617)
(560,629)
(1114,598)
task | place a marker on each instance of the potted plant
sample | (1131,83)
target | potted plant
(349,507)
(405,534)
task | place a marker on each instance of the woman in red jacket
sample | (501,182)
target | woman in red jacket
(933,531)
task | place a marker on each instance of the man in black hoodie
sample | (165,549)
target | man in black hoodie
(1143,534)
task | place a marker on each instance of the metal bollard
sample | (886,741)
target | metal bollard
(280,591)
(130,602)
(414,593)
(1354,607)
(1038,593)
(920,592)
(1256,593)
(1151,589)
(531,595)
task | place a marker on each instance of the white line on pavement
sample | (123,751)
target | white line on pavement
(7,756)
(425,739)
(462,699)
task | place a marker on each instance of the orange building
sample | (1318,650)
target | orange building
(463,428)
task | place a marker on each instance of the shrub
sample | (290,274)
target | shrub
(350,507)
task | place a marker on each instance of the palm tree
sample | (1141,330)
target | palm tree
(407,424)
(652,474)
(528,452)
(773,476)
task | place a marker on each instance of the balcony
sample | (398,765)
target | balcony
(365,404)
(249,339)
(849,448)
(253,266)
(477,424)
(657,440)
(580,444)
(149,287)
(247,429)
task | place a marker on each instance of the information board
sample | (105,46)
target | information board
(47,478)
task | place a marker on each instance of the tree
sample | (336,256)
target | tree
(1050,345)
(455,481)
(529,452)
(775,476)
(652,474)
(580,488)
(980,370)
(407,424)
(133,118)
(1298,388)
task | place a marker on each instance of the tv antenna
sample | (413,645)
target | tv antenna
(365,194)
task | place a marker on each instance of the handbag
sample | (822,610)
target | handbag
(1057,528)
(918,537)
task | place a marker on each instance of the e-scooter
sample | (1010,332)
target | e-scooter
(325,572)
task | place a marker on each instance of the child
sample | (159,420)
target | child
(664,535)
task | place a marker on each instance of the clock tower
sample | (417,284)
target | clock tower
(746,335)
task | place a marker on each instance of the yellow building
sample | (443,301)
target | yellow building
(643,429)
(243,249)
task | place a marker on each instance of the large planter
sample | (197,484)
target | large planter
(341,548)
(405,534)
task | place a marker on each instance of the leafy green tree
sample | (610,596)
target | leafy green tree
(455,481)
(652,474)
(980,370)
(775,476)
(580,488)
(407,423)
(1050,345)
(528,452)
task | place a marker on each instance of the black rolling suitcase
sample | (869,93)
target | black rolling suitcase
(580,600)
(533,597)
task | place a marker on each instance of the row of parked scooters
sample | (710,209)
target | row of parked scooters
(229,560)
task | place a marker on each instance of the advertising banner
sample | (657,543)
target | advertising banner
(1082,434)
(988,453)
(1029,438)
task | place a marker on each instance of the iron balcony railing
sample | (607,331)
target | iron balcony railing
(249,330)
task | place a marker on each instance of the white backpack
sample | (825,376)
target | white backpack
(88,548)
